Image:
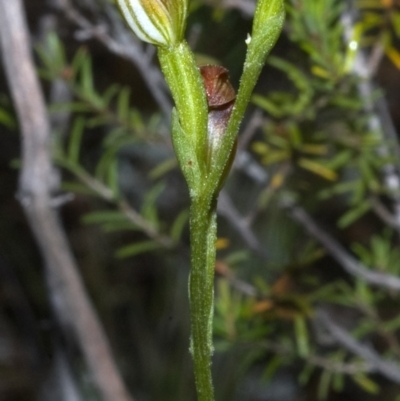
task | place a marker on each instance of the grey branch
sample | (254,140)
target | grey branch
(379,119)
(346,260)
(38,182)
(227,209)
(246,7)
(384,214)
(123,44)
(387,369)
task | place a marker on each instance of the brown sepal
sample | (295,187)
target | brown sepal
(219,90)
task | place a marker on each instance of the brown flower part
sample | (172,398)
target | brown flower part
(219,90)
(220,98)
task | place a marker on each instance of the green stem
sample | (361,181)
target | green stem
(189,134)
(203,228)
(184,80)
(268,23)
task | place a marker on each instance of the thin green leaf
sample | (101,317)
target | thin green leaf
(178,225)
(301,333)
(136,249)
(104,216)
(354,214)
(123,104)
(366,383)
(163,168)
(75,140)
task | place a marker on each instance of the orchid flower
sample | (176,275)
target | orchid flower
(160,22)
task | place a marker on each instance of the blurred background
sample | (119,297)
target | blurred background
(307,273)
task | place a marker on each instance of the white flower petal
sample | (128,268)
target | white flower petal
(151,21)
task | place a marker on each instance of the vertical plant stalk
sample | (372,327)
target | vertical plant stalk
(189,138)
(193,135)
(205,124)
(190,120)
(267,25)
(203,231)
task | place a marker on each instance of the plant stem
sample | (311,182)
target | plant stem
(189,134)
(203,228)
(184,80)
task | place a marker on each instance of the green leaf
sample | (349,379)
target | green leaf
(186,154)
(77,188)
(149,209)
(364,293)
(317,168)
(274,364)
(110,92)
(79,59)
(340,160)
(136,249)
(98,120)
(52,55)
(178,225)
(395,17)
(306,373)
(86,76)
(163,168)
(75,140)
(123,104)
(79,107)
(268,105)
(119,226)
(354,214)
(324,384)
(301,333)
(366,383)
(112,177)
(392,325)
(237,257)
(103,216)
(108,159)
(288,104)
(338,382)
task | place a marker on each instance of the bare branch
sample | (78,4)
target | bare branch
(124,45)
(246,7)
(130,213)
(384,214)
(387,369)
(321,361)
(339,367)
(256,121)
(347,261)
(38,181)
(228,210)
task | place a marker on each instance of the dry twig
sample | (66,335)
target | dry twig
(38,183)
(123,44)
(347,261)
(386,368)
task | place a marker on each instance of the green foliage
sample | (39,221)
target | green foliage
(317,147)
(124,126)
(318,125)
(380,23)
(380,254)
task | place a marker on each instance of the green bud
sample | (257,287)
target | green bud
(160,22)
